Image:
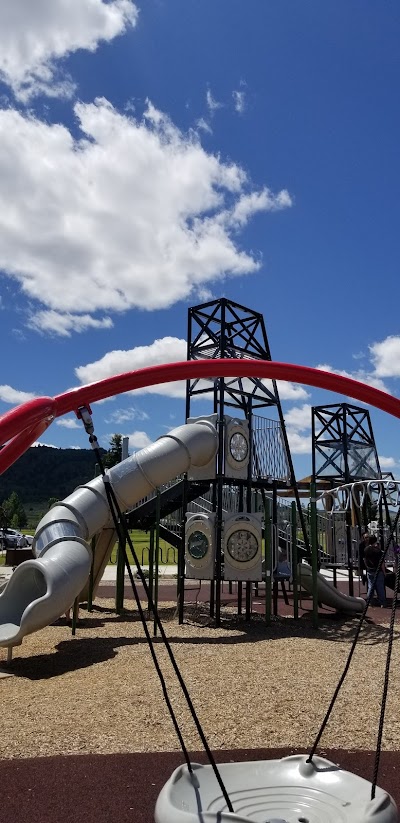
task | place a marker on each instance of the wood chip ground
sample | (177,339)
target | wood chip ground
(252,685)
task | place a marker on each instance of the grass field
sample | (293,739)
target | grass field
(141,542)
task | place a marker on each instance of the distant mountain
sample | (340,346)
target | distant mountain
(43,472)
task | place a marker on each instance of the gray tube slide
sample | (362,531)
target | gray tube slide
(328,594)
(41,590)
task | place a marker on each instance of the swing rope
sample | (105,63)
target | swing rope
(386,680)
(351,653)
(123,537)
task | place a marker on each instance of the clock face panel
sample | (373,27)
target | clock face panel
(242,545)
(198,545)
(238,447)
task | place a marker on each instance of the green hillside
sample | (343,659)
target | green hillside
(43,473)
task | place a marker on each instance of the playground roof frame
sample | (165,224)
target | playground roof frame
(21,426)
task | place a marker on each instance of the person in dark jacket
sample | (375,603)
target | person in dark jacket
(361,565)
(376,571)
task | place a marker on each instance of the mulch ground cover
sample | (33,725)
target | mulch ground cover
(123,788)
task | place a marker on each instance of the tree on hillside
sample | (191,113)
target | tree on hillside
(3,518)
(114,453)
(14,511)
(51,502)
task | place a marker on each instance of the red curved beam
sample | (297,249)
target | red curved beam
(28,414)
(197,369)
(43,409)
(20,444)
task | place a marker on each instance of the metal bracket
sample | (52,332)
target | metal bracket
(84,413)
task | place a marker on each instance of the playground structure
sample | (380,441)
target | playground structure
(224,515)
(228,515)
(63,563)
(253,476)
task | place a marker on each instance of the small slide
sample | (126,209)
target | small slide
(42,589)
(327,594)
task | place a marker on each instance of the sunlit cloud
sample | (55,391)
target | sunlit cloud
(68,423)
(385,356)
(131,211)
(14,396)
(36,36)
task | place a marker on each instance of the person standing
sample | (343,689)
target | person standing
(375,568)
(361,550)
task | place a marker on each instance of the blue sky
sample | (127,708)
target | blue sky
(154,155)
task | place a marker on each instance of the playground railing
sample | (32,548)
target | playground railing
(168,555)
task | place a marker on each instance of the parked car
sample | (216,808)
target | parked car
(11,538)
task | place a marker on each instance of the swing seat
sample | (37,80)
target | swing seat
(289,790)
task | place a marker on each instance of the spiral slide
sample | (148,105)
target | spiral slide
(42,589)
(328,594)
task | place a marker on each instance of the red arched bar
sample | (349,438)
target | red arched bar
(26,415)
(20,443)
(19,419)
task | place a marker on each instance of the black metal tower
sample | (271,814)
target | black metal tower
(224,329)
(343,444)
(343,451)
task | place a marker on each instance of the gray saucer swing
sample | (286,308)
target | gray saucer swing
(291,790)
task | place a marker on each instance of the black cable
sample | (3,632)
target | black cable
(353,646)
(386,681)
(118,520)
(107,486)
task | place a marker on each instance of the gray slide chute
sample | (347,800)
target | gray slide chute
(42,589)
(328,594)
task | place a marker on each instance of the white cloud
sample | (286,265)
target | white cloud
(48,445)
(202,125)
(121,416)
(35,34)
(249,204)
(290,391)
(138,440)
(212,104)
(299,443)
(239,100)
(362,375)
(133,214)
(14,396)
(299,417)
(387,463)
(386,356)
(64,324)
(164,350)
(297,420)
(68,423)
